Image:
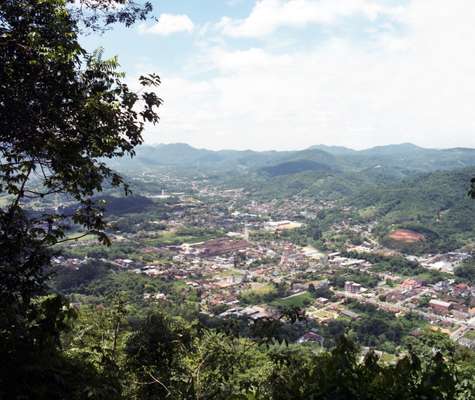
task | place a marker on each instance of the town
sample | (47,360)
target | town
(250,258)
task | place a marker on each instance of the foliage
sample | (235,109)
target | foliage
(320,292)
(75,111)
(99,15)
(434,204)
(122,205)
(293,167)
(395,264)
(381,329)
(363,278)
(64,111)
(33,365)
(262,294)
(70,279)
(165,357)
(155,354)
(298,300)
(466,270)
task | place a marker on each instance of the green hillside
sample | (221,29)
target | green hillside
(435,204)
(294,167)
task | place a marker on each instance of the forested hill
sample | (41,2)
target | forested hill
(435,204)
(293,167)
(403,157)
(435,191)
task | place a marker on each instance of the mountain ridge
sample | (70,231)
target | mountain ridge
(397,157)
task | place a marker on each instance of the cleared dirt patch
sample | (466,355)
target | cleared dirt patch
(406,236)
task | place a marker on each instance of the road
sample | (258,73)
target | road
(400,308)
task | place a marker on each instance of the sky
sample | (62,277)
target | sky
(289,74)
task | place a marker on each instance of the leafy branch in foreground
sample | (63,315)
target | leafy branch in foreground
(64,111)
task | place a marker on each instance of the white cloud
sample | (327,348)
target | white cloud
(269,15)
(169,24)
(411,85)
(100,3)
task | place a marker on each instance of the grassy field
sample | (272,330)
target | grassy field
(470,335)
(170,238)
(259,289)
(321,315)
(299,300)
(230,272)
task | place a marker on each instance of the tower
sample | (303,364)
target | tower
(246,233)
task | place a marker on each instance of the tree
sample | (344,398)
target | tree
(155,356)
(466,270)
(63,112)
(97,341)
(472,189)
(99,15)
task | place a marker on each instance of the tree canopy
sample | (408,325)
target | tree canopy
(63,112)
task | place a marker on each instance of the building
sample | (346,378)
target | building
(461,290)
(282,225)
(311,337)
(350,314)
(222,246)
(257,312)
(440,307)
(352,287)
(410,284)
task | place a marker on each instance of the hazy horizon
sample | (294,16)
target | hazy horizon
(306,148)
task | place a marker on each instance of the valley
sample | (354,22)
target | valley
(379,260)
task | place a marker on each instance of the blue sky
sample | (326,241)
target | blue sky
(287,74)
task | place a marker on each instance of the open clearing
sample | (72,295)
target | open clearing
(406,236)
